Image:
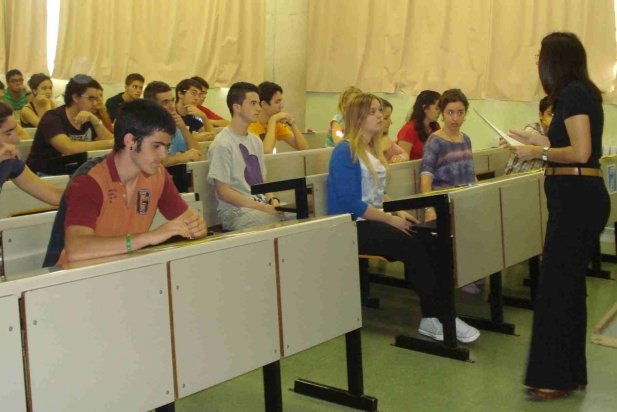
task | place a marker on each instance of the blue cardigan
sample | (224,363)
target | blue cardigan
(345,183)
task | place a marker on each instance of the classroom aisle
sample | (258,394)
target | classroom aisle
(409,381)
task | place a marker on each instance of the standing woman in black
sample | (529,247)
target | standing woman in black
(578,207)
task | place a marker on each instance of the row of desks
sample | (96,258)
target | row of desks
(135,332)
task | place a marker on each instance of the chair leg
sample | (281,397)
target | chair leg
(365,288)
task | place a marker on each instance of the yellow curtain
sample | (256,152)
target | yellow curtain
(23,40)
(485,47)
(220,40)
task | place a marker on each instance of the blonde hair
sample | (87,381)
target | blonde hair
(355,116)
(344,96)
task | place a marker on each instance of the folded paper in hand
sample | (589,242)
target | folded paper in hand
(511,141)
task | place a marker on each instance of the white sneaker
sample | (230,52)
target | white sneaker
(433,328)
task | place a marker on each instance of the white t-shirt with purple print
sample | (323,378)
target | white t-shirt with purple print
(237,161)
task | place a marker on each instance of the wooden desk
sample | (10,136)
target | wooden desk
(124,333)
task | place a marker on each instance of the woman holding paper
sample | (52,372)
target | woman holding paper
(578,206)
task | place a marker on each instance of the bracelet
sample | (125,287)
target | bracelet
(272,198)
(127,242)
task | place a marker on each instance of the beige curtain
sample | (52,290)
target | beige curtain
(220,40)
(485,47)
(23,40)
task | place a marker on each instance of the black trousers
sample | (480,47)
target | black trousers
(416,250)
(578,210)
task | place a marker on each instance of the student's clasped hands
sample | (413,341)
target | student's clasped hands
(8,151)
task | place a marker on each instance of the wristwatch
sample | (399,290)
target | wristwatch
(545,154)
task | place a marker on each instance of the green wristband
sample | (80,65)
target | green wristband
(127,241)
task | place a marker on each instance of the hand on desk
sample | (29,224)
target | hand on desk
(429,214)
(399,223)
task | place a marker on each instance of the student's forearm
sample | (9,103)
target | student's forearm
(80,147)
(39,188)
(301,143)
(229,195)
(270,139)
(85,247)
(426,184)
(30,117)
(190,141)
(102,133)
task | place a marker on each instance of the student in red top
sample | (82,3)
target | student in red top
(110,202)
(215,119)
(421,124)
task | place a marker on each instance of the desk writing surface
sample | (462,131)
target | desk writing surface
(101,344)
(225,314)
(12,389)
(320,287)
(477,233)
(521,220)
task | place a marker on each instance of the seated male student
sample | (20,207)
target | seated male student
(273,123)
(237,163)
(16,95)
(70,128)
(188,96)
(110,202)
(516,165)
(133,85)
(183,147)
(13,168)
(215,119)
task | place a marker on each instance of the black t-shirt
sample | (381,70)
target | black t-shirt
(113,104)
(53,123)
(576,98)
(193,123)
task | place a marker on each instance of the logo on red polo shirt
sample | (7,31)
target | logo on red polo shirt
(143,201)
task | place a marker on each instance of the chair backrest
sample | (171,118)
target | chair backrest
(207,194)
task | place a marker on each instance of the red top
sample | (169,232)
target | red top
(209,113)
(410,135)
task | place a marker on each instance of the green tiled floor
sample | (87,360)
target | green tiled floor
(409,381)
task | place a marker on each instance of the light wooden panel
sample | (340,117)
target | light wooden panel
(101,344)
(480,162)
(401,180)
(284,166)
(497,160)
(206,191)
(319,183)
(13,199)
(521,220)
(477,233)
(12,389)
(320,288)
(317,161)
(24,147)
(225,314)
(24,248)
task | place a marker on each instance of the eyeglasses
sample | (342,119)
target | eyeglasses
(193,92)
(92,99)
